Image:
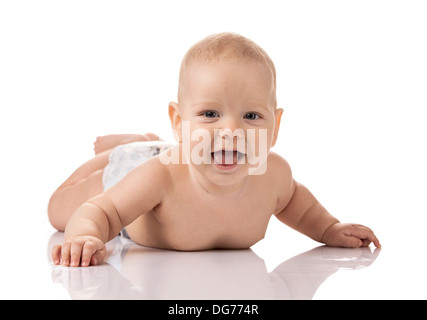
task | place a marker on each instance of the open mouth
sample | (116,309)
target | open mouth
(227,158)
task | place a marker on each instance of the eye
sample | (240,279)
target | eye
(210,114)
(251,116)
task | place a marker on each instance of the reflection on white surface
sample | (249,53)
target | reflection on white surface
(135,272)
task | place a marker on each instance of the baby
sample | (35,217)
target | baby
(217,188)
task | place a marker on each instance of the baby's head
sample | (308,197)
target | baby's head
(227,112)
(223,47)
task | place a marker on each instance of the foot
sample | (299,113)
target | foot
(107,142)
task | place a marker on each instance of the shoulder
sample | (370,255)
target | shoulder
(278,167)
(280,173)
(150,177)
(158,172)
(140,190)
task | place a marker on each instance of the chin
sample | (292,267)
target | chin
(227,176)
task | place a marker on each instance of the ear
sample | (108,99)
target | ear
(176,121)
(279,113)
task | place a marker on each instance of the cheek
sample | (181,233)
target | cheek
(258,141)
(199,146)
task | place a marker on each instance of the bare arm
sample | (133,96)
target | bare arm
(85,235)
(101,218)
(301,211)
(305,214)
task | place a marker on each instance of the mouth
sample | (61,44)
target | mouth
(226,159)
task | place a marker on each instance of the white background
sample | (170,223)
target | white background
(351,77)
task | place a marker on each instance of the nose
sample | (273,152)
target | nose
(228,133)
(231,129)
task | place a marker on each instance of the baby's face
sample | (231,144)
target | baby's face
(228,118)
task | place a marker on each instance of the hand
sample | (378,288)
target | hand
(82,251)
(350,236)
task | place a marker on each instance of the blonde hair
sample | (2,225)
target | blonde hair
(223,46)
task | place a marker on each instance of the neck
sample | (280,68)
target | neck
(212,188)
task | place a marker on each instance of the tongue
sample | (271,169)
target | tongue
(225,157)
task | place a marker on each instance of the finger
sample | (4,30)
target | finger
(89,250)
(365,233)
(76,252)
(377,242)
(366,243)
(371,237)
(351,242)
(65,253)
(56,254)
(98,257)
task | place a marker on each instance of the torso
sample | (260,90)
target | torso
(190,219)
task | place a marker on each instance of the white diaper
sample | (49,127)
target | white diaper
(126,157)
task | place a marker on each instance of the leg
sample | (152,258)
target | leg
(84,184)
(110,141)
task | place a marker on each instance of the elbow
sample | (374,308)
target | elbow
(55,222)
(55,214)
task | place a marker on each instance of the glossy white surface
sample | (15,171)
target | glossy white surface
(351,79)
(295,268)
(135,272)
